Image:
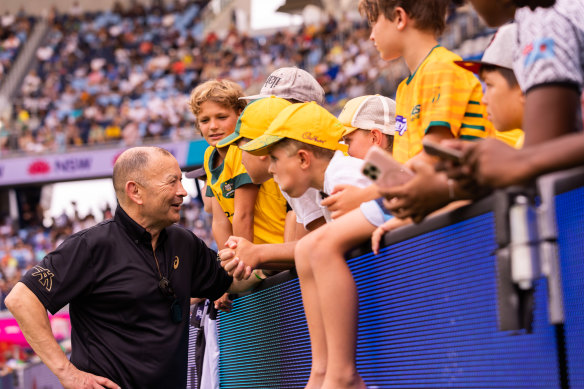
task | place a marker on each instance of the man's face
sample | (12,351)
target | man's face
(287,171)
(257,167)
(216,121)
(495,12)
(504,104)
(162,191)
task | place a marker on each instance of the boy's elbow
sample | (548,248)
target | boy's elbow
(243,218)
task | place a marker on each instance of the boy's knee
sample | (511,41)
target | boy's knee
(302,251)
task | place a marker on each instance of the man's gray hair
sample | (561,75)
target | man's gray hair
(131,165)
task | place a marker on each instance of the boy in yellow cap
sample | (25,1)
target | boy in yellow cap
(254,121)
(270,205)
(304,149)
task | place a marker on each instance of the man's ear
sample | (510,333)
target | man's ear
(133,192)
(305,158)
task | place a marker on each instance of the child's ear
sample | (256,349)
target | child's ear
(304,157)
(376,136)
(401,16)
(522,97)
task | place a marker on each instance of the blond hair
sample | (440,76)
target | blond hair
(222,92)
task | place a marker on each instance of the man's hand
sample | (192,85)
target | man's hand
(343,199)
(73,378)
(224,303)
(239,258)
(420,196)
(488,162)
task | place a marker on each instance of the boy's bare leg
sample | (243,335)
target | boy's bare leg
(313,316)
(338,295)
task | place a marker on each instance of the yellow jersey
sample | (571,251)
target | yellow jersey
(513,138)
(270,206)
(439,93)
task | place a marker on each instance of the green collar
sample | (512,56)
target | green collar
(215,172)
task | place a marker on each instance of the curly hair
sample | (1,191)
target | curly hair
(222,92)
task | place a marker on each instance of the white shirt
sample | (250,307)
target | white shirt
(342,169)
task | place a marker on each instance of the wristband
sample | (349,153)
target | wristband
(258,277)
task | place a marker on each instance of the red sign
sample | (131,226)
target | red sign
(39,167)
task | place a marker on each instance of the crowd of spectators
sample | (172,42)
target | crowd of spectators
(124,76)
(14,30)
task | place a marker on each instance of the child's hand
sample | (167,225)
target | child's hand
(380,231)
(343,199)
(224,303)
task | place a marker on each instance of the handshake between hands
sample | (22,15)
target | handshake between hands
(238,258)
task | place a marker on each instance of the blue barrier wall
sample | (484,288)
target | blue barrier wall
(428,319)
(570,220)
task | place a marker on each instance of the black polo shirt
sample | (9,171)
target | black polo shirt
(121,323)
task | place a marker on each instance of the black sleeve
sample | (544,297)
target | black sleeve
(209,280)
(62,275)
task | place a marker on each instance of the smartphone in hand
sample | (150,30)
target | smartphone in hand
(436,149)
(384,170)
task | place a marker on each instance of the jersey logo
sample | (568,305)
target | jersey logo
(45,277)
(436,95)
(416,112)
(227,189)
(401,124)
(176,262)
(540,49)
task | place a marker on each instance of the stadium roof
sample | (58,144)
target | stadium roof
(297,6)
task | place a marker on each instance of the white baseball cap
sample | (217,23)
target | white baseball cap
(291,83)
(367,113)
(500,51)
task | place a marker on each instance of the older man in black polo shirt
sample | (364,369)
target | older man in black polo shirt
(127,281)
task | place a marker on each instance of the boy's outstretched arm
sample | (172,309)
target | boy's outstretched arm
(243,215)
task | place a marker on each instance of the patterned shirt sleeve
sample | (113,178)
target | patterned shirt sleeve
(550,45)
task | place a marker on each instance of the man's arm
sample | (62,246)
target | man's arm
(550,111)
(34,323)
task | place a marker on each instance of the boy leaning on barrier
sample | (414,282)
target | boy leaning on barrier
(253,122)
(502,97)
(549,65)
(369,120)
(296,86)
(438,101)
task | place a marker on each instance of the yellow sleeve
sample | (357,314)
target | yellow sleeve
(233,167)
(445,96)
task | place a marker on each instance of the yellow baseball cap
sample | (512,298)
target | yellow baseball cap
(367,113)
(305,122)
(255,119)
